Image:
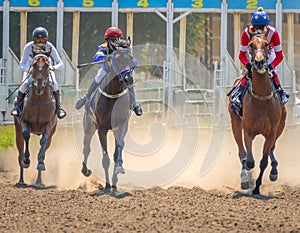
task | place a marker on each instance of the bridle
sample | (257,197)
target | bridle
(259,61)
(41,69)
(123,72)
(260,65)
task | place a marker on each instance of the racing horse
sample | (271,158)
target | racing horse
(38,117)
(109,110)
(263,114)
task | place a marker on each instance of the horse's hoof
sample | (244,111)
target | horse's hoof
(250,165)
(21,185)
(41,167)
(119,169)
(245,185)
(39,186)
(107,188)
(255,191)
(273,177)
(114,188)
(86,172)
(25,164)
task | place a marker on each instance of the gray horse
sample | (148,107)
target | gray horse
(108,109)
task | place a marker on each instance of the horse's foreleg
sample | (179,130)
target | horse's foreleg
(86,151)
(38,183)
(89,130)
(274,173)
(262,166)
(41,155)
(26,136)
(119,145)
(248,139)
(237,130)
(114,179)
(118,159)
(20,146)
(102,133)
(105,165)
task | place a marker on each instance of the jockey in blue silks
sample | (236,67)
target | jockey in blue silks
(112,35)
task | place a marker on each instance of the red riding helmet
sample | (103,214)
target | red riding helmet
(113,31)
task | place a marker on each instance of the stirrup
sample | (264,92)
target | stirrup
(15,112)
(284,96)
(237,108)
(284,99)
(80,103)
(235,97)
(61,113)
(137,109)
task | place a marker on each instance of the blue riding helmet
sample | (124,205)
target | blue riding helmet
(260,17)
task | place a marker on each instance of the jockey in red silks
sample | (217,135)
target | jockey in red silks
(260,25)
(112,36)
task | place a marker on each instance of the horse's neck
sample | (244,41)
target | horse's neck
(261,84)
(47,94)
(112,86)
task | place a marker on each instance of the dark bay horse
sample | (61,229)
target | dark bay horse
(263,114)
(38,117)
(109,110)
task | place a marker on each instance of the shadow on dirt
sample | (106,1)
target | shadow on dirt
(239,194)
(115,194)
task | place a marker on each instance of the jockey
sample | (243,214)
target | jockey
(260,24)
(111,36)
(40,42)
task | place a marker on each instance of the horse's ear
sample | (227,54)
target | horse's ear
(123,43)
(265,31)
(35,59)
(34,51)
(46,60)
(129,41)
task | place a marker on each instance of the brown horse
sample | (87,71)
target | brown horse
(38,117)
(263,114)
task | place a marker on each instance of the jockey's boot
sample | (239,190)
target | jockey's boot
(283,95)
(237,97)
(133,105)
(83,99)
(59,111)
(16,111)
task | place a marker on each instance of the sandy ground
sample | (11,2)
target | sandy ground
(171,196)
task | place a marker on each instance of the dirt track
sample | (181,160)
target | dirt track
(175,209)
(212,203)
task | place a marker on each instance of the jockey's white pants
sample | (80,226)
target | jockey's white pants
(24,87)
